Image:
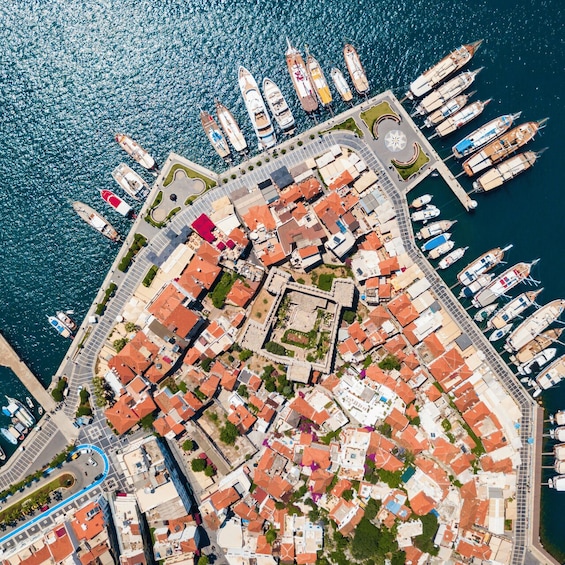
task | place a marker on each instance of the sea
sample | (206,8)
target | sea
(74,72)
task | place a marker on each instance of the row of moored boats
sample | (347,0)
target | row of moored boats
(312,90)
(488,150)
(558,433)
(22,421)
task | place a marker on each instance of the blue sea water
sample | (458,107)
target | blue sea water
(74,72)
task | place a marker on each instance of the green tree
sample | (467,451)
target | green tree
(245,354)
(372,508)
(229,433)
(271,536)
(188,445)
(242,391)
(390,363)
(120,343)
(203,560)
(207,363)
(57,395)
(130,327)
(425,541)
(209,471)
(198,465)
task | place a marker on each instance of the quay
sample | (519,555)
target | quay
(380,142)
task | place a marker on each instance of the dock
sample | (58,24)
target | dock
(455,186)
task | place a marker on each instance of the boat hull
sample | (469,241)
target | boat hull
(507,170)
(355,69)
(278,106)
(135,151)
(231,128)
(95,220)
(214,135)
(130,182)
(300,79)
(116,203)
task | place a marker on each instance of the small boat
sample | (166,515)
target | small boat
(500,333)
(452,106)
(256,109)
(483,135)
(278,106)
(437,98)
(120,205)
(503,283)
(130,182)
(341,85)
(482,264)
(356,70)
(558,433)
(506,171)
(318,80)
(230,127)
(29,402)
(441,250)
(17,435)
(541,359)
(68,321)
(421,201)
(502,147)
(2,455)
(442,70)
(8,436)
(514,308)
(532,326)
(55,323)
(559,451)
(300,79)
(468,291)
(558,419)
(550,377)
(40,410)
(135,151)
(452,257)
(96,220)
(557,483)
(436,241)
(214,134)
(483,314)
(461,118)
(426,214)
(559,466)
(538,344)
(435,228)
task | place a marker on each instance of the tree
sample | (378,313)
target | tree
(130,327)
(203,560)
(120,343)
(229,433)
(188,445)
(242,391)
(209,471)
(390,363)
(245,354)
(425,541)
(347,495)
(206,364)
(57,395)
(271,536)
(372,508)
(198,465)
(147,421)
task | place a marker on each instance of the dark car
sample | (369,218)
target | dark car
(98,477)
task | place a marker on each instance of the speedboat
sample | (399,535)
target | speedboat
(500,333)
(61,329)
(119,204)
(130,181)
(8,436)
(541,359)
(425,214)
(341,85)
(136,152)
(421,201)
(452,257)
(484,313)
(470,290)
(436,241)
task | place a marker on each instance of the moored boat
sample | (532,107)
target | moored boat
(120,205)
(559,466)
(425,214)
(29,402)
(452,106)
(479,283)
(318,81)
(558,434)
(502,147)
(8,436)
(61,329)
(135,151)
(341,85)
(506,171)
(300,79)
(231,128)
(16,409)
(541,359)
(482,264)
(16,434)
(532,326)
(557,483)
(452,257)
(421,201)
(356,70)
(483,314)
(2,455)
(428,80)
(435,228)
(499,333)
(278,106)
(545,339)
(558,419)
(503,283)
(461,118)
(130,182)
(550,377)
(437,98)
(514,308)
(70,323)
(441,250)
(436,241)
(483,135)
(256,109)
(559,451)
(214,134)
(96,220)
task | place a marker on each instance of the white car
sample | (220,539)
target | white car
(92,462)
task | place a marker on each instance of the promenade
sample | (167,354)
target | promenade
(79,364)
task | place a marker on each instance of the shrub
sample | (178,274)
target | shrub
(349,316)
(300,143)
(151,273)
(206,364)
(300,281)
(222,289)
(291,147)
(283,151)
(120,343)
(233,176)
(57,395)
(245,354)
(312,136)
(275,348)
(229,433)
(242,391)
(188,445)
(259,163)
(84,396)
(198,465)
(225,181)
(389,363)
(251,167)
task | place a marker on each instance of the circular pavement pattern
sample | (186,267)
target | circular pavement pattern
(395,140)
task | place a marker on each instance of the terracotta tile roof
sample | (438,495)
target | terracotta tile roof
(192,356)
(237,235)
(342,180)
(502,466)
(432,393)
(304,409)
(320,480)
(397,420)
(340,487)
(395,344)
(433,345)
(273,256)
(316,455)
(371,242)
(471,550)
(229,379)
(223,498)
(88,521)
(135,358)
(445,451)
(409,440)
(210,386)
(389,265)
(241,293)
(287,552)
(245,511)
(413,555)
(356,332)
(259,215)
(289,195)
(422,504)
(306,558)
(379,315)
(310,188)
(263,546)
(242,418)
(125,414)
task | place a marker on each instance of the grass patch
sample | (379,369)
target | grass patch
(325,281)
(139,241)
(110,291)
(406,171)
(376,112)
(151,274)
(209,182)
(350,125)
(222,289)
